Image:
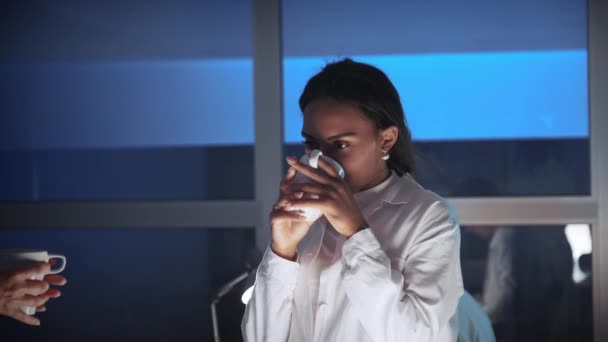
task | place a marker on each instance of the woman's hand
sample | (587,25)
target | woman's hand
(335,200)
(288,228)
(17,289)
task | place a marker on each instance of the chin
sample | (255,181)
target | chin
(348,181)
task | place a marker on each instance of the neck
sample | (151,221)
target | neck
(379,178)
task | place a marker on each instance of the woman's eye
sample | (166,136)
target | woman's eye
(341,145)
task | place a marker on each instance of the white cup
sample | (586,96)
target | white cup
(12,259)
(312,214)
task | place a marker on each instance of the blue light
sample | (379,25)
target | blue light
(468,96)
(118,104)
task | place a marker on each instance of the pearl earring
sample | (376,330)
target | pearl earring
(385,157)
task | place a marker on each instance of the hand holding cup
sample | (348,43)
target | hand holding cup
(26,278)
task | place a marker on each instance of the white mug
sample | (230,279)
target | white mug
(313,161)
(12,259)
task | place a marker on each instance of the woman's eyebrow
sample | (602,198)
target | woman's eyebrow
(333,137)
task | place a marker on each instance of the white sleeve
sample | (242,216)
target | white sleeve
(268,313)
(499,283)
(415,305)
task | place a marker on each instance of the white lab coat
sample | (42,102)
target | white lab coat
(399,280)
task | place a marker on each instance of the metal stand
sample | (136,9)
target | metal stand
(218,297)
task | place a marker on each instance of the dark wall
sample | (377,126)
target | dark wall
(136,284)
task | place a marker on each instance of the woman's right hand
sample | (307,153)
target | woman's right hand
(288,228)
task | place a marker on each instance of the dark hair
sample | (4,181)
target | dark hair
(373,92)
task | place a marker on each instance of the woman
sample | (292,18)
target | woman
(383,263)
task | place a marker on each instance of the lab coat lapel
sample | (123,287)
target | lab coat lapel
(309,250)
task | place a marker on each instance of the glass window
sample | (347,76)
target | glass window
(534,282)
(136,102)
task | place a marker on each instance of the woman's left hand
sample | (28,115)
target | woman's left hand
(335,199)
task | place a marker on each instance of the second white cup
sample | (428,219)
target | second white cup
(12,259)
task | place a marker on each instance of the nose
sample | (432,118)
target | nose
(326,150)
(330,152)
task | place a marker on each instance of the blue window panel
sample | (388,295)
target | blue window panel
(471,96)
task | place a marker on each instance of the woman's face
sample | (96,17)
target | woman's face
(341,131)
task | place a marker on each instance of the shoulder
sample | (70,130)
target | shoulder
(411,215)
(413,199)
(436,216)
